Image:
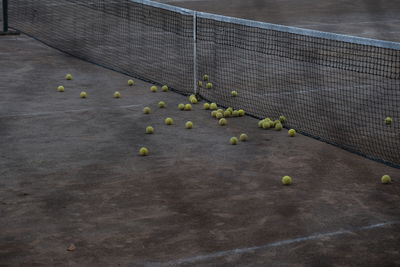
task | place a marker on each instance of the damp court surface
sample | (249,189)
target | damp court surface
(70,174)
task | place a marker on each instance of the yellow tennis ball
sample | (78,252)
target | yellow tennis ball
(234,93)
(188,107)
(214,113)
(149,130)
(220,110)
(161,104)
(193,100)
(266,125)
(260,123)
(278,126)
(200,84)
(60,88)
(230,109)
(68,76)
(235,113)
(282,119)
(292,132)
(131,82)
(233,140)
(243,137)
(143,151)
(386,179)
(206,106)
(213,106)
(117,94)
(388,120)
(227,113)
(222,122)
(241,112)
(181,106)
(205,77)
(219,115)
(164,88)
(169,121)
(83,95)
(146,110)
(189,125)
(286,180)
(153,88)
(209,85)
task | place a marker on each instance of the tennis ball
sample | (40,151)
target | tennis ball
(205,77)
(243,137)
(188,107)
(193,100)
(131,82)
(164,88)
(230,109)
(68,76)
(234,93)
(286,180)
(388,120)
(117,95)
(143,151)
(169,121)
(60,88)
(260,123)
(206,106)
(386,179)
(278,126)
(292,132)
(233,140)
(200,84)
(220,110)
(222,122)
(83,95)
(219,115)
(276,122)
(161,104)
(282,119)
(209,85)
(181,106)
(227,114)
(153,88)
(146,110)
(266,125)
(241,112)
(213,106)
(235,113)
(214,113)
(189,125)
(149,130)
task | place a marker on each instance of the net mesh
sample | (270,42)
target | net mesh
(338,91)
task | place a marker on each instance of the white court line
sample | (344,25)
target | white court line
(276,244)
(42,113)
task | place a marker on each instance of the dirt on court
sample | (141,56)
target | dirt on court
(70,174)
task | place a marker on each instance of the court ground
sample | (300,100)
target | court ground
(70,174)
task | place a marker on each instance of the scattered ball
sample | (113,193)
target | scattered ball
(181,106)
(213,106)
(282,119)
(193,100)
(292,132)
(227,114)
(153,88)
(235,113)
(278,126)
(161,104)
(230,110)
(117,94)
(388,120)
(188,107)
(241,112)
(206,106)
(386,179)
(286,180)
(209,85)
(266,125)
(222,122)
(205,77)
(83,95)
(169,121)
(149,130)
(200,84)
(143,151)
(164,88)
(233,140)
(68,77)
(220,110)
(219,115)
(60,88)
(131,82)
(234,93)
(260,124)
(146,110)
(214,113)
(189,125)
(243,137)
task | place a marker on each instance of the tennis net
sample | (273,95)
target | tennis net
(332,87)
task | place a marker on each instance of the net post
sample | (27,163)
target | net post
(6,30)
(195,89)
